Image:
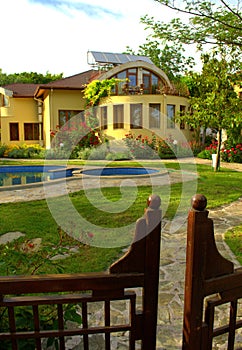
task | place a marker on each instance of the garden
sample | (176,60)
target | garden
(82,142)
(44,247)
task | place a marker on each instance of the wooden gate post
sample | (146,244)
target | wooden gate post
(144,256)
(152,269)
(195,263)
(203,262)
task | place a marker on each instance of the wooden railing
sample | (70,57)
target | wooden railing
(138,268)
(210,281)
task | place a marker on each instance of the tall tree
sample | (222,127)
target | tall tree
(214,102)
(217,23)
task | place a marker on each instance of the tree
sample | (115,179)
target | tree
(28,78)
(169,58)
(216,23)
(214,102)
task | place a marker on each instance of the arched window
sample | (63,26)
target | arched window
(139,81)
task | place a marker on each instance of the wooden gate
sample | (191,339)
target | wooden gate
(210,281)
(138,268)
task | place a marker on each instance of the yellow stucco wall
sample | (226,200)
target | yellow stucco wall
(145,100)
(20,110)
(59,100)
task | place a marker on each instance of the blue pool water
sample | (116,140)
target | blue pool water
(19,175)
(119,171)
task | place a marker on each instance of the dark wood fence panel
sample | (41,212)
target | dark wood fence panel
(210,281)
(138,268)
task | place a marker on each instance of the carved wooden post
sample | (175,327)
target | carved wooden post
(152,263)
(195,264)
(144,256)
(203,262)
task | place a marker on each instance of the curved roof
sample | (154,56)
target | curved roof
(137,64)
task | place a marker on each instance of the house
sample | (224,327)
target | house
(144,102)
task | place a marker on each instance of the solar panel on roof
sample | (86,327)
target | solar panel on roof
(95,57)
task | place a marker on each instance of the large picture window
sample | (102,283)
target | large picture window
(118,116)
(182,112)
(31,131)
(170,116)
(104,118)
(66,115)
(136,116)
(138,82)
(154,116)
(14,131)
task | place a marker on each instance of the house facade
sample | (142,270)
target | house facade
(144,102)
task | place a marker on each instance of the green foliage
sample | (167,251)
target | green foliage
(232,153)
(119,156)
(3,149)
(205,154)
(214,102)
(233,238)
(98,153)
(23,151)
(74,137)
(28,78)
(98,89)
(210,22)
(156,148)
(169,58)
(48,316)
(141,147)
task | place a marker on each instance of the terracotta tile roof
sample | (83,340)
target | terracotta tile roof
(75,81)
(22,90)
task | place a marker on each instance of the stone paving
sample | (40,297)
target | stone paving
(172,266)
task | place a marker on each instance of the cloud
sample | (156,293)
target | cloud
(90,10)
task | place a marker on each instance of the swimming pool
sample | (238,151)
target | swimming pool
(21,175)
(120,171)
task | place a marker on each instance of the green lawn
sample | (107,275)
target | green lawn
(35,220)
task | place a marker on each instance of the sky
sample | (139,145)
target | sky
(55,35)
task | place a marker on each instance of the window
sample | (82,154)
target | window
(4,101)
(118,116)
(170,116)
(31,131)
(65,116)
(154,115)
(136,116)
(104,118)
(182,112)
(132,76)
(151,82)
(14,132)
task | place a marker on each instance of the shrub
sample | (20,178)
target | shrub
(209,150)
(84,154)
(141,147)
(119,156)
(204,154)
(25,151)
(3,149)
(232,154)
(98,153)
